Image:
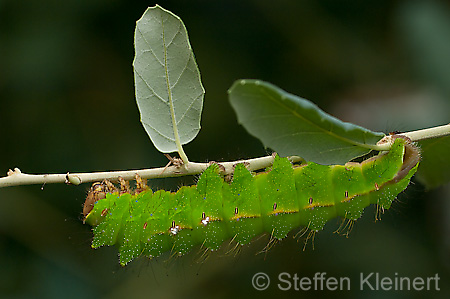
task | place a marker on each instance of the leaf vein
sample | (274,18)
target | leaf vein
(149,46)
(150,88)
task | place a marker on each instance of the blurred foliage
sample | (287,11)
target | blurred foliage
(435,158)
(67,104)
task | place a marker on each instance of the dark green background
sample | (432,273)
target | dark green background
(67,104)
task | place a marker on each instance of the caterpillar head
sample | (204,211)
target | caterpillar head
(97,191)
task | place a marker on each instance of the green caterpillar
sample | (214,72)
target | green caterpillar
(276,202)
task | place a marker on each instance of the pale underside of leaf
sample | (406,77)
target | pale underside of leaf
(291,125)
(169,92)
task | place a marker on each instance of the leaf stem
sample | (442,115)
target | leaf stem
(172,109)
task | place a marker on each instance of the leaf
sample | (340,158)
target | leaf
(291,125)
(169,92)
(434,169)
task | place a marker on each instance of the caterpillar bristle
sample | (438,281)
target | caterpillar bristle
(345,227)
(311,236)
(270,244)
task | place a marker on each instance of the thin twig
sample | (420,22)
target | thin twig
(428,133)
(16,177)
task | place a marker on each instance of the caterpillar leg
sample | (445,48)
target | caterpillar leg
(124,185)
(141,184)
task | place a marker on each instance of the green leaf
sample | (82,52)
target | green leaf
(434,169)
(169,92)
(291,125)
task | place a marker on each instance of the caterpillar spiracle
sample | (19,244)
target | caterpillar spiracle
(277,201)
